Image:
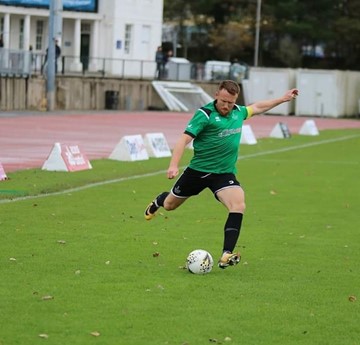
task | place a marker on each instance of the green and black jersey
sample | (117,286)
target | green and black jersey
(216,138)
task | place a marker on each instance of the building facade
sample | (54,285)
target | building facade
(112,36)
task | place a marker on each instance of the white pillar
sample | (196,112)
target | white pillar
(6,40)
(94,48)
(27,53)
(6,33)
(76,65)
(27,32)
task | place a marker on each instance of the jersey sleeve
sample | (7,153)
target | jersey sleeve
(197,123)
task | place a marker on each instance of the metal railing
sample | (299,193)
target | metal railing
(15,62)
(26,63)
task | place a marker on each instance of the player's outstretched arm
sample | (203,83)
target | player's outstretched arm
(178,152)
(261,107)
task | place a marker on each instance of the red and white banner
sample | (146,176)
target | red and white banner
(66,157)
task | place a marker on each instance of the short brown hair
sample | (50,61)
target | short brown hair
(230,86)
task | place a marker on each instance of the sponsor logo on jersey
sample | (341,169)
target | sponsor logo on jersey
(227,132)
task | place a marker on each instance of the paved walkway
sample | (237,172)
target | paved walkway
(26,138)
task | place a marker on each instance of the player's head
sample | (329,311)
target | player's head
(230,86)
(226,96)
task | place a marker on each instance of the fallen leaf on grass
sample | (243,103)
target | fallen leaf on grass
(61,241)
(47,298)
(352,298)
(272,192)
(43,335)
(95,334)
(156,254)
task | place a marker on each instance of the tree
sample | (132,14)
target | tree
(231,39)
(294,33)
(310,25)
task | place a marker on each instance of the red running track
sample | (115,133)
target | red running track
(26,139)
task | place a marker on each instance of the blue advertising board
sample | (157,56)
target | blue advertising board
(68,5)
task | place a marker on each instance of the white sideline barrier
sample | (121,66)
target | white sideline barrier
(65,157)
(3,176)
(309,128)
(280,131)
(130,148)
(247,135)
(157,145)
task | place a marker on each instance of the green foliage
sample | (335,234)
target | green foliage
(85,267)
(332,25)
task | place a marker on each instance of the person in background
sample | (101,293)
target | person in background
(215,130)
(1,41)
(57,55)
(159,59)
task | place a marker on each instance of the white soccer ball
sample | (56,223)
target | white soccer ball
(199,261)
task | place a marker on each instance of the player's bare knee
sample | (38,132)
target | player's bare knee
(238,207)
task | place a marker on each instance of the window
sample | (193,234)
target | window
(21,34)
(1,25)
(128,38)
(39,34)
(146,34)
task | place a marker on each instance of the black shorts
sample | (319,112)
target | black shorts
(192,182)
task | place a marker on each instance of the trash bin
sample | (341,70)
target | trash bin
(111,100)
(178,69)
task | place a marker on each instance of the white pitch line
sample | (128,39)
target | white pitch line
(291,148)
(134,177)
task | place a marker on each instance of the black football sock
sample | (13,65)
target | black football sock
(232,231)
(158,202)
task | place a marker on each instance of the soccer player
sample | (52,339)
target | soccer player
(216,131)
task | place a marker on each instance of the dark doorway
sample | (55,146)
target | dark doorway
(85,51)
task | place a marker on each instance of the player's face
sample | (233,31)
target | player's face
(225,101)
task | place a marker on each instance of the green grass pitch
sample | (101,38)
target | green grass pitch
(80,265)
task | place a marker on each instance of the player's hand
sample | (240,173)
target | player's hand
(172,172)
(292,94)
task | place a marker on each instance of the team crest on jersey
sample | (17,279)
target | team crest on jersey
(217,119)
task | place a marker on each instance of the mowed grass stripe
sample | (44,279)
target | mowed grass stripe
(134,177)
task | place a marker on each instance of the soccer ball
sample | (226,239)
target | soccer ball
(199,261)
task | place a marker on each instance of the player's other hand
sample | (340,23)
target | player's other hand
(291,94)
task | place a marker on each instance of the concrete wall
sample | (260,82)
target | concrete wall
(80,93)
